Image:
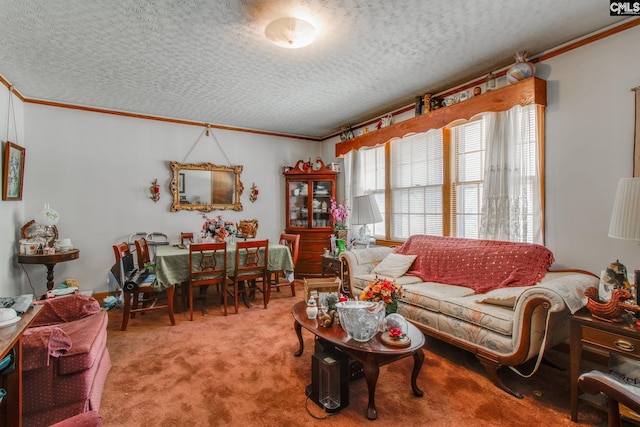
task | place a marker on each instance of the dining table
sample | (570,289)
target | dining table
(172,263)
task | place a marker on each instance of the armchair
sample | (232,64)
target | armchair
(65,360)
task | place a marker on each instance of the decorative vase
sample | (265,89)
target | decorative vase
(391,308)
(342,233)
(522,69)
(341,243)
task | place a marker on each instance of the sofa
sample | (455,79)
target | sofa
(498,300)
(65,360)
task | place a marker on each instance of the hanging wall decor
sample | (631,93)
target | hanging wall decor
(254,193)
(13,176)
(154,190)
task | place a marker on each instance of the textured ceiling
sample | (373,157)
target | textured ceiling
(209,61)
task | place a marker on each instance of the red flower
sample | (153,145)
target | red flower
(395,333)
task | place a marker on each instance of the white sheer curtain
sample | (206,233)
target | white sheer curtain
(353,185)
(511,204)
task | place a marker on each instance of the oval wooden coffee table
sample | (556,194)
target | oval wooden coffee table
(372,354)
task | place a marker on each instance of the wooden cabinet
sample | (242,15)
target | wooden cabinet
(309,189)
(603,339)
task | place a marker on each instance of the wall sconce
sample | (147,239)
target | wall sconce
(154,190)
(254,193)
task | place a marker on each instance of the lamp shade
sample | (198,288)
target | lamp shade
(47,216)
(625,218)
(290,32)
(365,210)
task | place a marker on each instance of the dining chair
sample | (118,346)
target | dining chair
(248,228)
(207,266)
(249,272)
(277,279)
(617,393)
(145,293)
(186,238)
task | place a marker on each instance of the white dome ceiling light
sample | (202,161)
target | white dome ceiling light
(290,32)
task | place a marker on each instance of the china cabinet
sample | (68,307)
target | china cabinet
(309,188)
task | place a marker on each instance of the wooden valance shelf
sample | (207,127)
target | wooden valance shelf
(529,91)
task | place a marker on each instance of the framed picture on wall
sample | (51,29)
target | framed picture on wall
(181,182)
(13,171)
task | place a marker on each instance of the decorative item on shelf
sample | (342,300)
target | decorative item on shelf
(335,167)
(346,133)
(418,105)
(612,310)
(48,218)
(491,82)
(253,196)
(307,166)
(477,91)
(154,190)
(389,292)
(339,214)
(435,103)
(387,120)
(464,95)
(217,228)
(426,102)
(522,69)
(395,328)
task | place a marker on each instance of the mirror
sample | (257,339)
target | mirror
(205,187)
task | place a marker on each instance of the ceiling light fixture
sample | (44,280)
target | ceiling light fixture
(290,32)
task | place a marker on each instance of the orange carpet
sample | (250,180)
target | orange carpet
(239,370)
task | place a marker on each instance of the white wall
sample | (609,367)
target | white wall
(95,170)
(589,146)
(11,212)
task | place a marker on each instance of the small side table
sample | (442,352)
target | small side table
(602,337)
(336,267)
(49,261)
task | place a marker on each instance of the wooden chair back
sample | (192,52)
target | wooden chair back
(121,250)
(292,241)
(142,252)
(251,260)
(248,228)
(207,263)
(186,238)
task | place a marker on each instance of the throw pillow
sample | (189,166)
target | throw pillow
(394,265)
(506,297)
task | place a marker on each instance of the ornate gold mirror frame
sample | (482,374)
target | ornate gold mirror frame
(205,187)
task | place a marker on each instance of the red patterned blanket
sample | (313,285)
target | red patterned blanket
(482,265)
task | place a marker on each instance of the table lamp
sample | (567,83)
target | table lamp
(48,218)
(625,218)
(365,211)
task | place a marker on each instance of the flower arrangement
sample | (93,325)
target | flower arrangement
(387,291)
(339,213)
(218,228)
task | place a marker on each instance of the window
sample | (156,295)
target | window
(417,185)
(437,179)
(374,175)
(449,180)
(468,146)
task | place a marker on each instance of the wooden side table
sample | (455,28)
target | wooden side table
(601,337)
(11,339)
(336,267)
(49,261)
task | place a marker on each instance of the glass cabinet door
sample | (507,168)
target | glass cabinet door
(298,204)
(321,204)
(309,203)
